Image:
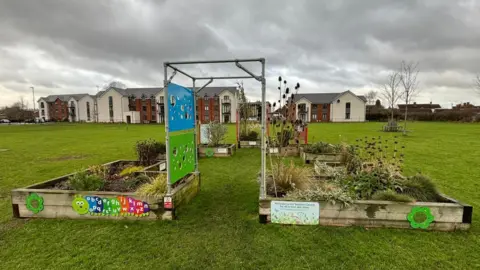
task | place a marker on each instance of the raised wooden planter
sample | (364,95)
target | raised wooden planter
(446,216)
(249,144)
(327,158)
(100,204)
(225,151)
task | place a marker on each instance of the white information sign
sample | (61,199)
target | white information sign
(222,150)
(252,143)
(301,213)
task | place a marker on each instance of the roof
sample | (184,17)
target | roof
(322,98)
(52,98)
(216,90)
(138,92)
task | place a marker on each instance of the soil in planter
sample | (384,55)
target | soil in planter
(113,181)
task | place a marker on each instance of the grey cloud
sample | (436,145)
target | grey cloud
(325,45)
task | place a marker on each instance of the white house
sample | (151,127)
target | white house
(330,107)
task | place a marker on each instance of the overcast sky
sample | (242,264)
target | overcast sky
(62,47)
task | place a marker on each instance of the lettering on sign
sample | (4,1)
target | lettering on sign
(300,213)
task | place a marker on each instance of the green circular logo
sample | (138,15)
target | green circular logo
(35,203)
(420,217)
(209,152)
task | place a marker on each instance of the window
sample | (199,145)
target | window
(226,98)
(314,117)
(42,105)
(144,117)
(206,107)
(205,97)
(162,99)
(144,108)
(314,107)
(88,111)
(324,117)
(110,107)
(347,110)
(325,106)
(207,118)
(43,112)
(72,104)
(154,108)
(153,117)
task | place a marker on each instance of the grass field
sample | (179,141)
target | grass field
(219,228)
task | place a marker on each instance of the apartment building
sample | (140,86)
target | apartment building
(330,107)
(73,108)
(136,105)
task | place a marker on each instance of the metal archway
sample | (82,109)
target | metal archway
(251,75)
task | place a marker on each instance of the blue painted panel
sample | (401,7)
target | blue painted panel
(180,108)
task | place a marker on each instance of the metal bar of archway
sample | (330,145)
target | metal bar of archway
(251,75)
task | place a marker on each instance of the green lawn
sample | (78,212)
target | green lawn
(219,228)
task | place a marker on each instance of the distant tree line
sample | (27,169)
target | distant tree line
(17,112)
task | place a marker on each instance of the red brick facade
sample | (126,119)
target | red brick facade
(58,110)
(319,113)
(147,110)
(213,112)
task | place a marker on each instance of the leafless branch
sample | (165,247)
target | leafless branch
(477,84)
(408,77)
(371,96)
(390,90)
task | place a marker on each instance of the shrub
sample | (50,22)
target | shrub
(216,133)
(156,188)
(323,192)
(421,188)
(251,136)
(148,151)
(321,148)
(83,181)
(99,170)
(322,169)
(390,195)
(287,177)
(133,182)
(130,170)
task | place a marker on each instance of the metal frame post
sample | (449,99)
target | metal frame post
(195,119)
(263,169)
(165,97)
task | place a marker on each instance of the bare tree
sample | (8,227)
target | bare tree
(477,84)
(371,96)
(408,77)
(390,90)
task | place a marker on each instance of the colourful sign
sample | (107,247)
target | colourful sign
(180,108)
(119,206)
(300,213)
(181,155)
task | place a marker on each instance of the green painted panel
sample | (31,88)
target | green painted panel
(181,155)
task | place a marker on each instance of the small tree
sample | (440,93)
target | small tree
(216,133)
(371,97)
(391,91)
(408,77)
(477,84)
